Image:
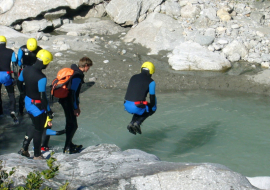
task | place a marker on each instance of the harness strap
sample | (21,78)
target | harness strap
(9,72)
(141,102)
(36,101)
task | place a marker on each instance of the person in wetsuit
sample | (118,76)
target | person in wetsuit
(27,57)
(71,103)
(36,103)
(135,99)
(7,56)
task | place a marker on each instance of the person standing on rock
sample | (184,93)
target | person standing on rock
(70,104)
(27,57)
(7,56)
(36,103)
(135,99)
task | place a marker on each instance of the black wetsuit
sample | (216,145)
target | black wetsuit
(6,57)
(138,88)
(71,103)
(25,58)
(36,103)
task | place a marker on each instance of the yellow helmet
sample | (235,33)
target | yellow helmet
(45,56)
(31,44)
(150,66)
(3,39)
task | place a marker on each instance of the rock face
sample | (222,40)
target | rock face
(193,56)
(125,12)
(160,32)
(156,24)
(105,166)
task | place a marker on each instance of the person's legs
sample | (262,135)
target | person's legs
(1,107)
(38,122)
(21,102)
(137,120)
(27,140)
(71,125)
(12,102)
(45,140)
(11,95)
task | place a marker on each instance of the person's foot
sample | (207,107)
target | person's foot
(137,127)
(44,148)
(24,152)
(130,128)
(39,157)
(78,147)
(73,149)
(13,116)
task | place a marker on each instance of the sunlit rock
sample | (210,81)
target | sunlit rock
(235,47)
(192,56)
(160,32)
(125,12)
(105,166)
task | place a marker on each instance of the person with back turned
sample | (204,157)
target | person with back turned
(7,56)
(71,103)
(135,99)
(36,103)
(27,57)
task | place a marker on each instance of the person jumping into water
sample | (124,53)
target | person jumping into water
(135,99)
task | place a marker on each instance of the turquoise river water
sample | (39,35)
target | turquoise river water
(228,128)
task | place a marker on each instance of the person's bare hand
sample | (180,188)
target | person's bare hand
(77,112)
(49,123)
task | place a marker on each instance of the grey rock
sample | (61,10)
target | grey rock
(93,26)
(105,166)
(173,9)
(192,56)
(190,11)
(211,13)
(35,26)
(257,17)
(55,15)
(235,47)
(24,9)
(161,32)
(265,57)
(128,12)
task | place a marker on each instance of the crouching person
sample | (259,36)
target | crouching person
(135,100)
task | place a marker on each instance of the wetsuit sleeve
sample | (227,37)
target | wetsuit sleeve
(42,89)
(13,58)
(153,99)
(74,89)
(14,65)
(20,82)
(20,55)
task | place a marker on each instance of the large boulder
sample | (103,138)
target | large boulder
(12,11)
(192,56)
(74,4)
(235,47)
(107,167)
(24,9)
(157,32)
(126,12)
(92,26)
